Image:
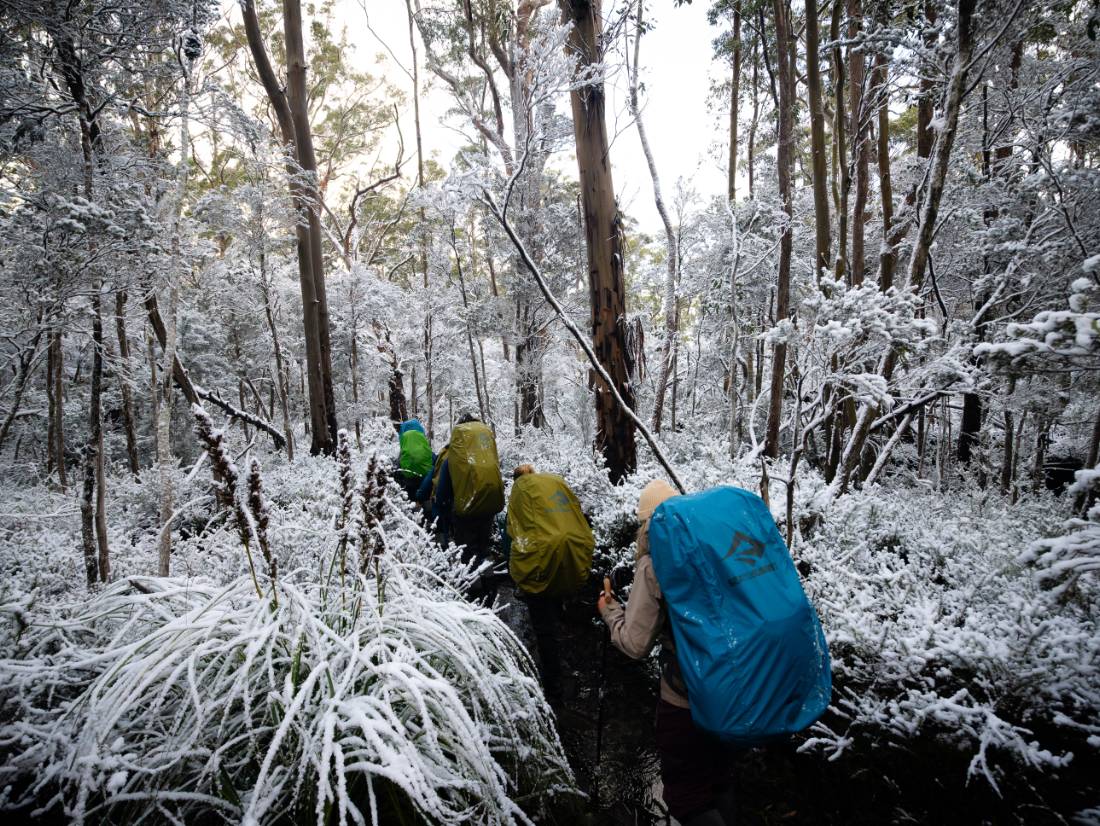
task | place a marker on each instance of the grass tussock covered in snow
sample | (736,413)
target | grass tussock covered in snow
(359,687)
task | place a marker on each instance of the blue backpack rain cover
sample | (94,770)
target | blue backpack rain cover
(750,646)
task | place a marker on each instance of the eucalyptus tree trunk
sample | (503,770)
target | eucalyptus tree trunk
(124,381)
(165,462)
(530,160)
(735,100)
(429,389)
(55,392)
(858,132)
(604,241)
(841,176)
(297,96)
(817,141)
(783,287)
(880,83)
(93,507)
(293,118)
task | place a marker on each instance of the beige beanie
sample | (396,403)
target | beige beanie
(653,495)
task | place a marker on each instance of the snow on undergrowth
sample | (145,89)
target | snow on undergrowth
(345,681)
(170,700)
(937,631)
(391,693)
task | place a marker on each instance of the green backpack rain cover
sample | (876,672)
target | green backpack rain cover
(551,541)
(475,471)
(416,453)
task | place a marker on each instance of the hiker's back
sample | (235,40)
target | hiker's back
(475,471)
(414,459)
(750,646)
(552,543)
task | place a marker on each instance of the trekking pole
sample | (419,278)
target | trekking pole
(604,636)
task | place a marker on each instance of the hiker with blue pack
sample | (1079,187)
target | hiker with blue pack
(414,459)
(743,657)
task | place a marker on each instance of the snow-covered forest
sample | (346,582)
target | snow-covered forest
(233,258)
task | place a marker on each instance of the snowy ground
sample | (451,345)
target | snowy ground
(942,643)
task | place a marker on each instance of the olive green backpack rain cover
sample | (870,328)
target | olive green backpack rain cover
(475,471)
(551,541)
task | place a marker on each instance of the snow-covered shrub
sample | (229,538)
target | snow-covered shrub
(355,685)
(1061,559)
(167,700)
(938,635)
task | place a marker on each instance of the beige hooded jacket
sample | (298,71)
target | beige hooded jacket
(636,628)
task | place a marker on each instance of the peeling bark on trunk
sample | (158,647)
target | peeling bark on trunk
(603,237)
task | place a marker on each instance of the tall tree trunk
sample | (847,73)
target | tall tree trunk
(945,140)
(429,389)
(858,132)
(880,81)
(297,95)
(93,509)
(735,101)
(309,272)
(124,381)
(469,334)
(841,173)
(603,236)
(56,396)
(926,102)
(1008,459)
(95,438)
(783,288)
(750,150)
(163,425)
(817,141)
(165,461)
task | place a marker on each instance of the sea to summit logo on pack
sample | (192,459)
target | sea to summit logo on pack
(748,553)
(559,502)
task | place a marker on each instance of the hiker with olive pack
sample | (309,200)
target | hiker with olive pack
(549,547)
(467,494)
(743,657)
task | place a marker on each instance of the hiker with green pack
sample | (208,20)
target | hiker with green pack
(414,459)
(469,492)
(549,547)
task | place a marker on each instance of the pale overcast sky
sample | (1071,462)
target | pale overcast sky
(677,71)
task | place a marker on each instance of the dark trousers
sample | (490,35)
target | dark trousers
(546,622)
(476,534)
(696,768)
